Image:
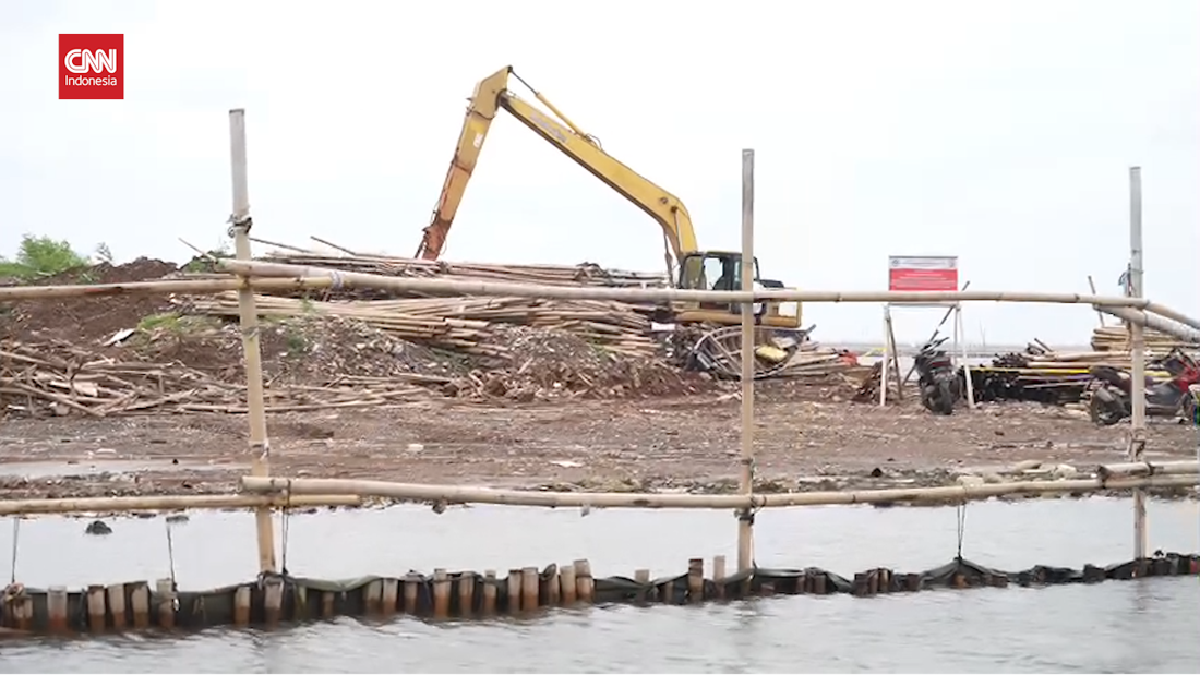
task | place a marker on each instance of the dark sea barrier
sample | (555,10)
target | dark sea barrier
(273,600)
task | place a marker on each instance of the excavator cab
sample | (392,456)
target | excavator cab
(722,271)
(713,271)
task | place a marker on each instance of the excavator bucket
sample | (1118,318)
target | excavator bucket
(719,351)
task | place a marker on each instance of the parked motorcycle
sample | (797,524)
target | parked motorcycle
(1111,400)
(938,381)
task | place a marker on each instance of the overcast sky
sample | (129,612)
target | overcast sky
(1001,132)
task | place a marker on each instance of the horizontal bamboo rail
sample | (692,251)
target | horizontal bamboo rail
(341,279)
(278,277)
(29,507)
(159,287)
(1131,469)
(307,493)
(617,500)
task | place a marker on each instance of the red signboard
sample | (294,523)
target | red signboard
(922,273)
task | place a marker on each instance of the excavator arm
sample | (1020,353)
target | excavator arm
(491,95)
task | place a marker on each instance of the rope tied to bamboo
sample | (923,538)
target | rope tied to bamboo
(285,521)
(757,502)
(236,222)
(962,527)
(16,537)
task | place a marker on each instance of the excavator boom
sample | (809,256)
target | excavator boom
(491,94)
(696,269)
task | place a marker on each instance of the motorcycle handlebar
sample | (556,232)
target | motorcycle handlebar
(933,344)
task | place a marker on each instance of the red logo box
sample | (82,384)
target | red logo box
(91,66)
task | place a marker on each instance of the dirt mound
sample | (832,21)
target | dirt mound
(549,363)
(84,320)
(300,350)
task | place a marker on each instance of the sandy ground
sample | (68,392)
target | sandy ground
(692,442)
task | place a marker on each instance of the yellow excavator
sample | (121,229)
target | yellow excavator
(703,270)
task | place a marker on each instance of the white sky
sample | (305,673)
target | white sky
(1001,132)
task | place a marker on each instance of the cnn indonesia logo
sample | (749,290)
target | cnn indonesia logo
(91,66)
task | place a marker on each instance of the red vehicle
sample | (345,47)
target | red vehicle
(1111,401)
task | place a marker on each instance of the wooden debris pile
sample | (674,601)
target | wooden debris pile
(58,379)
(314,364)
(546,363)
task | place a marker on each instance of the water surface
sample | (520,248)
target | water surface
(1150,625)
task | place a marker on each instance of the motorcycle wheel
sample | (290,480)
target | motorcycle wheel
(945,398)
(1189,410)
(1102,412)
(929,398)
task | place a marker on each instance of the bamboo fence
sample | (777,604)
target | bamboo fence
(586,295)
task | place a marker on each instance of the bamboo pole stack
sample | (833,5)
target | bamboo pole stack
(1109,339)
(1109,347)
(466,323)
(583,274)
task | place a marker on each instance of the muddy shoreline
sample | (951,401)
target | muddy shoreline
(686,444)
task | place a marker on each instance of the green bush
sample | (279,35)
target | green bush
(41,257)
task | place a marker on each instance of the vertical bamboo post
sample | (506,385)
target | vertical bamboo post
(487,606)
(97,607)
(584,585)
(886,365)
(251,348)
(512,590)
(164,596)
(530,587)
(272,600)
(242,599)
(695,579)
(139,601)
(441,594)
(1137,356)
(116,605)
(391,591)
(57,608)
(718,566)
(569,587)
(745,524)
(466,593)
(961,339)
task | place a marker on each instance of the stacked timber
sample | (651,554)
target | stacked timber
(583,274)
(1042,373)
(1116,339)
